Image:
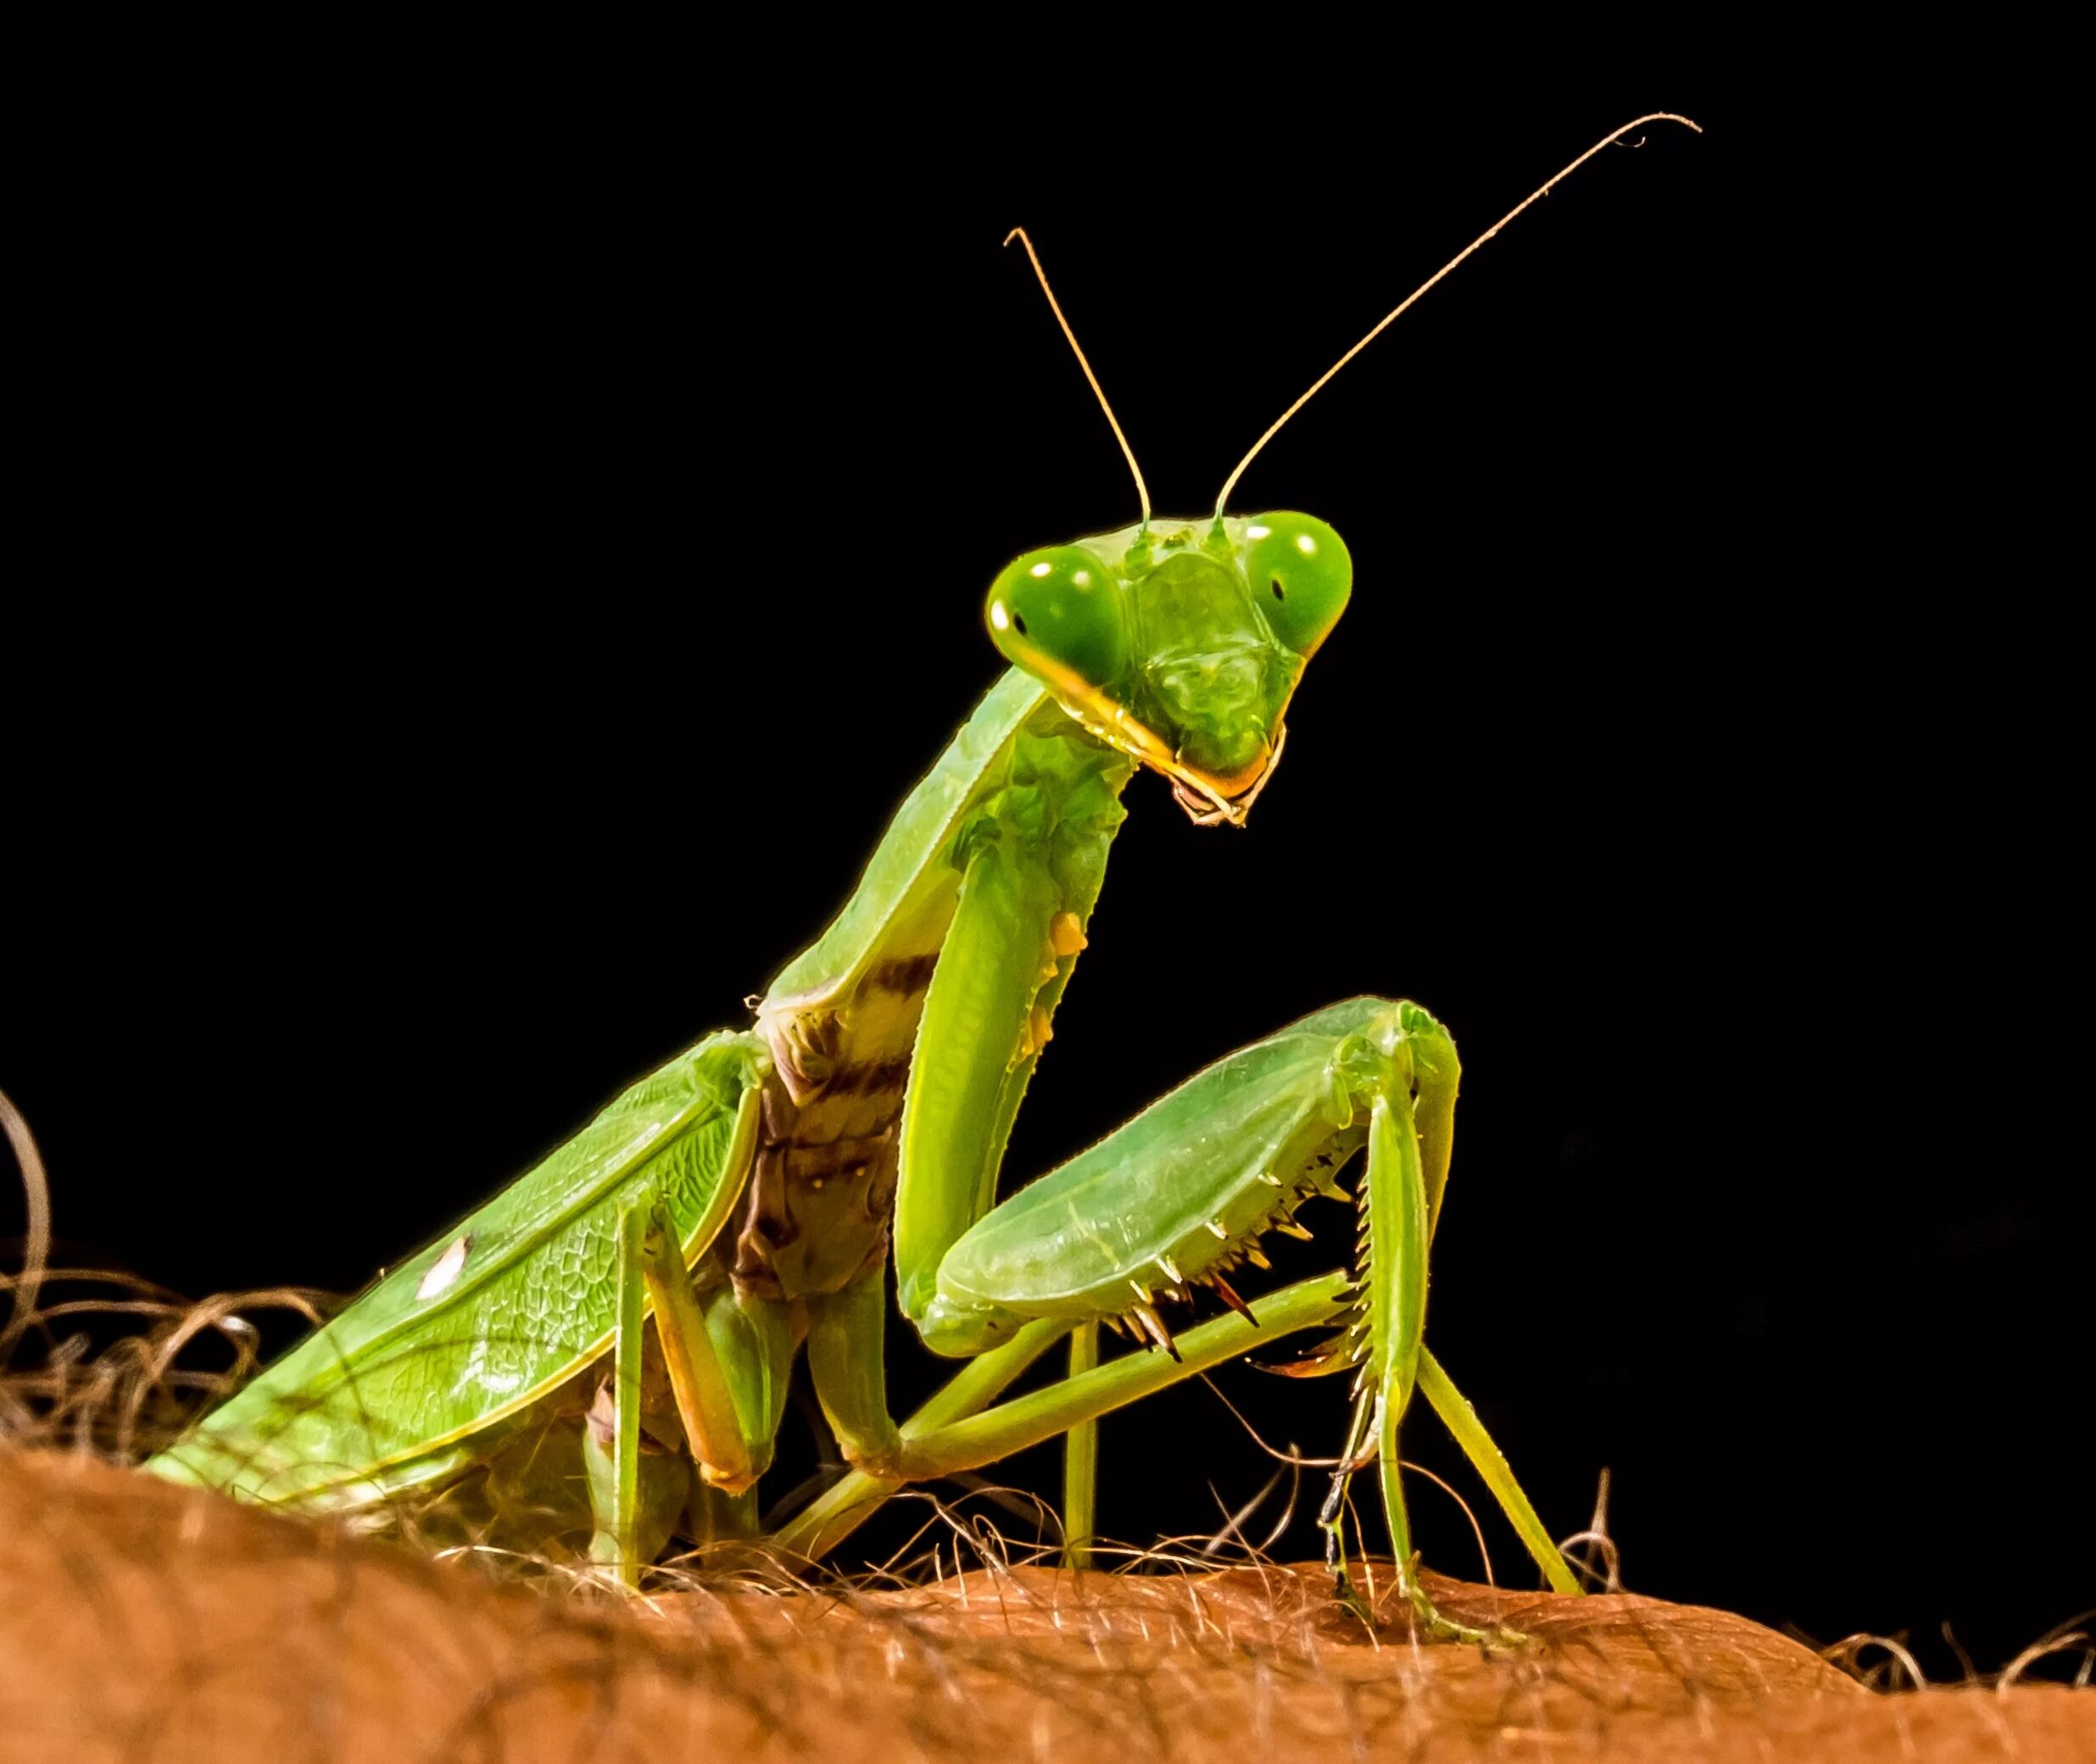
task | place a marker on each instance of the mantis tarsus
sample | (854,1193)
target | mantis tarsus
(746,1193)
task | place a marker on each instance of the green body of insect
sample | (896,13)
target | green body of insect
(748,1193)
(873,1096)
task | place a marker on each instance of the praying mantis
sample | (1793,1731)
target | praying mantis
(739,1205)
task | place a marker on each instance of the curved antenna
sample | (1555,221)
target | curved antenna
(1128,453)
(1485,237)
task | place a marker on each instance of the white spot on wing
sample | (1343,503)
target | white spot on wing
(1307,545)
(444,1271)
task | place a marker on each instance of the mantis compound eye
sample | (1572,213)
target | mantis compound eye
(1058,611)
(1300,576)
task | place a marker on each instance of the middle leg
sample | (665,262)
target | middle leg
(1179,1198)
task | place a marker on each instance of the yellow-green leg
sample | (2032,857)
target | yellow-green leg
(957,1430)
(726,1363)
(1491,1463)
(1080,1462)
(1398,1215)
(614,1466)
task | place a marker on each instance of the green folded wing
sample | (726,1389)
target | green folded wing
(504,1306)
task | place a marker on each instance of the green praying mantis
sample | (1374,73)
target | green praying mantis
(747,1196)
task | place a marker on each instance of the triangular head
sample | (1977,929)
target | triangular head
(1180,643)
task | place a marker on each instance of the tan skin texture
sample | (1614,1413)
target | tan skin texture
(143,1621)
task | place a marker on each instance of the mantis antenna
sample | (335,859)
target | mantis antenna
(1486,237)
(1128,453)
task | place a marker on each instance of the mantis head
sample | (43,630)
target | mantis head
(1182,646)
(1179,643)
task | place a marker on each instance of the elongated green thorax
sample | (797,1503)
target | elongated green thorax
(940,979)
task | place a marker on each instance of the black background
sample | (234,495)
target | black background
(497,574)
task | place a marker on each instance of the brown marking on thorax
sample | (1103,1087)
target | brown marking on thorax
(822,1191)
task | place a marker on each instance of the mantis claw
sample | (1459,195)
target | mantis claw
(1425,1615)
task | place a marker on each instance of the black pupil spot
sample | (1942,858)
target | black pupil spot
(1020,622)
(1277,594)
